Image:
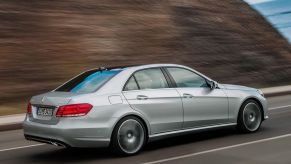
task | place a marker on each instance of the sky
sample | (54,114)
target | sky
(256,1)
(277,12)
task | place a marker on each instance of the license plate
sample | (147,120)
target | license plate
(44,111)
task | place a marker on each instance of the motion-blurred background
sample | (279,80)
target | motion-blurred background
(45,42)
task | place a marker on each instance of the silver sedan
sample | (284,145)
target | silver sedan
(126,107)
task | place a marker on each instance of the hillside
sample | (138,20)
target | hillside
(43,42)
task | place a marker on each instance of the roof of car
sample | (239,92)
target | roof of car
(154,65)
(136,66)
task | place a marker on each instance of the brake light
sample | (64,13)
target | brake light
(74,110)
(29,108)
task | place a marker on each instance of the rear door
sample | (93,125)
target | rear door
(148,92)
(202,106)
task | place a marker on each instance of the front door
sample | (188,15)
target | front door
(202,106)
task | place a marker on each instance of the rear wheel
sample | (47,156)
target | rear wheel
(250,117)
(129,136)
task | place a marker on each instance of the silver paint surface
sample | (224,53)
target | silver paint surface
(165,111)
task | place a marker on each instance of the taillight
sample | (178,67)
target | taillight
(29,108)
(74,110)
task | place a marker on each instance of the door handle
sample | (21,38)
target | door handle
(142,97)
(187,95)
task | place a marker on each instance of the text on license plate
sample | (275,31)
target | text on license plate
(44,112)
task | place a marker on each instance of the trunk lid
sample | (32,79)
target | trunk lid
(44,106)
(53,98)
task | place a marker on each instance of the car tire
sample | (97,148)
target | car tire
(249,117)
(129,136)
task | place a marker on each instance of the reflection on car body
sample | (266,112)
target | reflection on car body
(126,107)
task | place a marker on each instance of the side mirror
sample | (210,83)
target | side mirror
(212,84)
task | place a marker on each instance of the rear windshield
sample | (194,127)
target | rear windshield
(89,81)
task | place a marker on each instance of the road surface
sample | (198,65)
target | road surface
(271,144)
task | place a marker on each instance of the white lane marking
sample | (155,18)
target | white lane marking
(280,107)
(20,147)
(218,149)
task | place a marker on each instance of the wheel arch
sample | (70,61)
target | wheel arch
(144,121)
(257,101)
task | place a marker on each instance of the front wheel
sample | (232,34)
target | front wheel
(129,136)
(250,117)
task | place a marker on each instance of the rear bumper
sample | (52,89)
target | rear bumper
(67,134)
(45,140)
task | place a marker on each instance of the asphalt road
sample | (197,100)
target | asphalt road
(271,144)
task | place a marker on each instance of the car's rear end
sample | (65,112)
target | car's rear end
(69,116)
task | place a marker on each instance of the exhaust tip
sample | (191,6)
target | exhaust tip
(54,143)
(57,144)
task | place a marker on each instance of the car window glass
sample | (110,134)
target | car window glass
(89,81)
(185,78)
(152,78)
(131,85)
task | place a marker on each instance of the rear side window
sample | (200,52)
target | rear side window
(185,78)
(131,85)
(89,81)
(152,78)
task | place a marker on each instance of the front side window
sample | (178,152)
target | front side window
(152,78)
(185,78)
(89,81)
